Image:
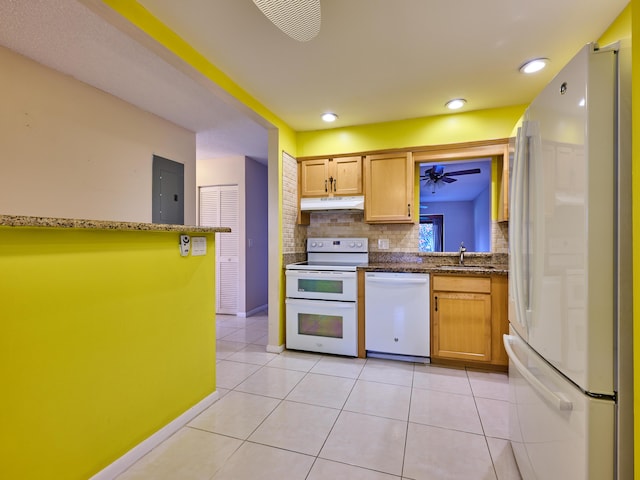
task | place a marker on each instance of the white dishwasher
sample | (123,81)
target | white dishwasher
(397,313)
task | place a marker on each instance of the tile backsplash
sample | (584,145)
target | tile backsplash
(402,237)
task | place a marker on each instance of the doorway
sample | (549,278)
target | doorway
(219,208)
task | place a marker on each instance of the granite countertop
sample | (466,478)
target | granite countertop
(415,267)
(51,222)
(476,263)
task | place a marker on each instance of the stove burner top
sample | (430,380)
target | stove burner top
(339,254)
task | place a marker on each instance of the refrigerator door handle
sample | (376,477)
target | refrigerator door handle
(559,401)
(517,223)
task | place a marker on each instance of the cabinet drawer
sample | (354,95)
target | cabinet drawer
(461,283)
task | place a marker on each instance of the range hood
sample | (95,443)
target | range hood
(326,204)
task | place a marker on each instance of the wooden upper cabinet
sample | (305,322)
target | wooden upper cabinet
(331,176)
(347,176)
(314,178)
(388,188)
(505,162)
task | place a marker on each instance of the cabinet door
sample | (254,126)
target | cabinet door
(504,177)
(347,176)
(314,178)
(462,326)
(388,187)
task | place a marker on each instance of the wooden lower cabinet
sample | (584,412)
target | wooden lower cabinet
(468,315)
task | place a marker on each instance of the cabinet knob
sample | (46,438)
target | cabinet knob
(395,339)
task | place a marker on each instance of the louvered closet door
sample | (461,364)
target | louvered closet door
(219,208)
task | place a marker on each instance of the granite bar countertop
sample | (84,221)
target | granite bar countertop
(51,222)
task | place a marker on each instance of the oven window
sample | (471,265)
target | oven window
(320,325)
(320,286)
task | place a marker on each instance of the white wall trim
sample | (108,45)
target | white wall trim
(136,453)
(275,348)
(259,309)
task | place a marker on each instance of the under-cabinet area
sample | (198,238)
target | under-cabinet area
(460,318)
(430,308)
(468,319)
(397,312)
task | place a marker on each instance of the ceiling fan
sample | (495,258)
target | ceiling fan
(436,176)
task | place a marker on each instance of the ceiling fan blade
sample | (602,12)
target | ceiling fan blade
(449,180)
(464,172)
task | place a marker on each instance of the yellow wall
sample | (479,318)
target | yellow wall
(105,337)
(439,130)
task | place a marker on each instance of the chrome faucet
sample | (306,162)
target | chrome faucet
(462,250)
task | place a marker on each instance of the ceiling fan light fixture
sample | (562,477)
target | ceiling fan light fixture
(533,66)
(329,117)
(300,19)
(455,104)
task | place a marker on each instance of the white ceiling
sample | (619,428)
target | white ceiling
(373,60)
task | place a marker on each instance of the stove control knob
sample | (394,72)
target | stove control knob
(352,244)
(313,244)
(319,244)
(359,244)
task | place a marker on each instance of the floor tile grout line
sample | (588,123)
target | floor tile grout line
(484,433)
(307,372)
(331,429)
(406,431)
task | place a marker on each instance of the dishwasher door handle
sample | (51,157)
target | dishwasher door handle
(397,281)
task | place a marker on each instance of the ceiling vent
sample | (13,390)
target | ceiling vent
(300,19)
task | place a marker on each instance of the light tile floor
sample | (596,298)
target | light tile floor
(309,416)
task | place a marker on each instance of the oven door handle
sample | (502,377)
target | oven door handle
(319,273)
(319,303)
(390,281)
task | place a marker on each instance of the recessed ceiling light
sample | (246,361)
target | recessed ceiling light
(535,65)
(455,104)
(329,117)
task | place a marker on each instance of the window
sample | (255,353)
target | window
(430,234)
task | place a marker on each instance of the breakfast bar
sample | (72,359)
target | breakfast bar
(108,335)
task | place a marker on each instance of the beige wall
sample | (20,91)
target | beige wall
(71,150)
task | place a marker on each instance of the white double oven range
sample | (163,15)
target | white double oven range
(322,293)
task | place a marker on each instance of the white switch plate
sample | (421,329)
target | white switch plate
(198,246)
(383,244)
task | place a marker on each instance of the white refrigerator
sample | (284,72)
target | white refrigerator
(570,308)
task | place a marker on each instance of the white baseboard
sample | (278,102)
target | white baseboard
(251,312)
(275,348)
(136,453)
